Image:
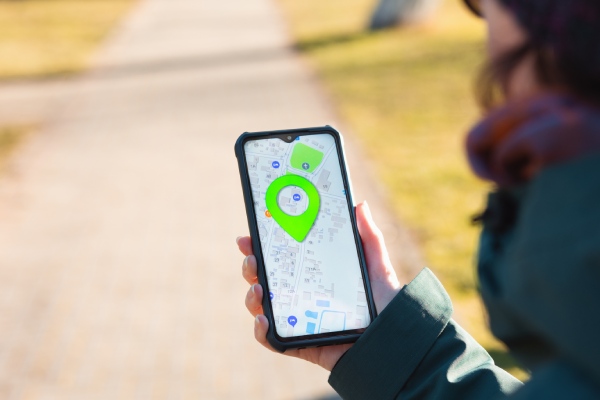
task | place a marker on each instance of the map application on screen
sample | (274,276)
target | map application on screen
(308,245)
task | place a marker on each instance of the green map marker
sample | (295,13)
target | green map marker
(296,226)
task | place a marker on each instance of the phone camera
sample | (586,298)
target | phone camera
(285,138)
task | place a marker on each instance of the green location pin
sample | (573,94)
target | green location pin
(297,226)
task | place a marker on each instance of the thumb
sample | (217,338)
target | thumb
(378,260)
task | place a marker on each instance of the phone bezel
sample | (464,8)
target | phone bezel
(312,340)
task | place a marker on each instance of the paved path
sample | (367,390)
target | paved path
(119,275)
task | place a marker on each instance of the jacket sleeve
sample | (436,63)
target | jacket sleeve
(414,349)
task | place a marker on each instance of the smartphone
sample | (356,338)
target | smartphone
(304,236)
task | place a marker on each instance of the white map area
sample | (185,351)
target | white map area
(315,286)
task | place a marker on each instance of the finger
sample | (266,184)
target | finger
(254,300)
(373,243)
(249,269)
(244,244)
(384,281)
(261,326)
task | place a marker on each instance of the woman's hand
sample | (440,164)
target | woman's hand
(384,284)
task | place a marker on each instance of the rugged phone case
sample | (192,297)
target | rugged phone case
(279,343)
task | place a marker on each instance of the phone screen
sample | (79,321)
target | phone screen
(306,235)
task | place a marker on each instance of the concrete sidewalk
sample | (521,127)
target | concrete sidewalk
(119,274)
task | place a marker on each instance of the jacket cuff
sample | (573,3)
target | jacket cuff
(384,357)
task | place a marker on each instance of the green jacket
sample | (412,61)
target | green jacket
(539,274)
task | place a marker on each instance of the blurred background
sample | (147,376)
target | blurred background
(119,199)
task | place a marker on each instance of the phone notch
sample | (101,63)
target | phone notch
(288,138)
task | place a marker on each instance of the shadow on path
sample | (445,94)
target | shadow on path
(160,66)
(187,63)
(332,40)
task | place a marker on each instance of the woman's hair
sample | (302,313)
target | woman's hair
(566,59)
(553,72)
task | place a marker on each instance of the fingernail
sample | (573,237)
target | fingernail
(237,240)
(253,289)
(256,320)
(246,262)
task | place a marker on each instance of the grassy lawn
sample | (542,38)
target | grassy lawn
(53,37)
(408,95)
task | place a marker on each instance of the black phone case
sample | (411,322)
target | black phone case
(282,344)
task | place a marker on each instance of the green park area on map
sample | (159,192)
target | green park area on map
(305,158)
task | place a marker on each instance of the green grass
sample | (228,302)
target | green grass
(408,95)
(41,38)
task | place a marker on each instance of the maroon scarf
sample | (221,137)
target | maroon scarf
(516,141)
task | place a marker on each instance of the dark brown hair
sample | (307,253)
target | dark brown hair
(565,72)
